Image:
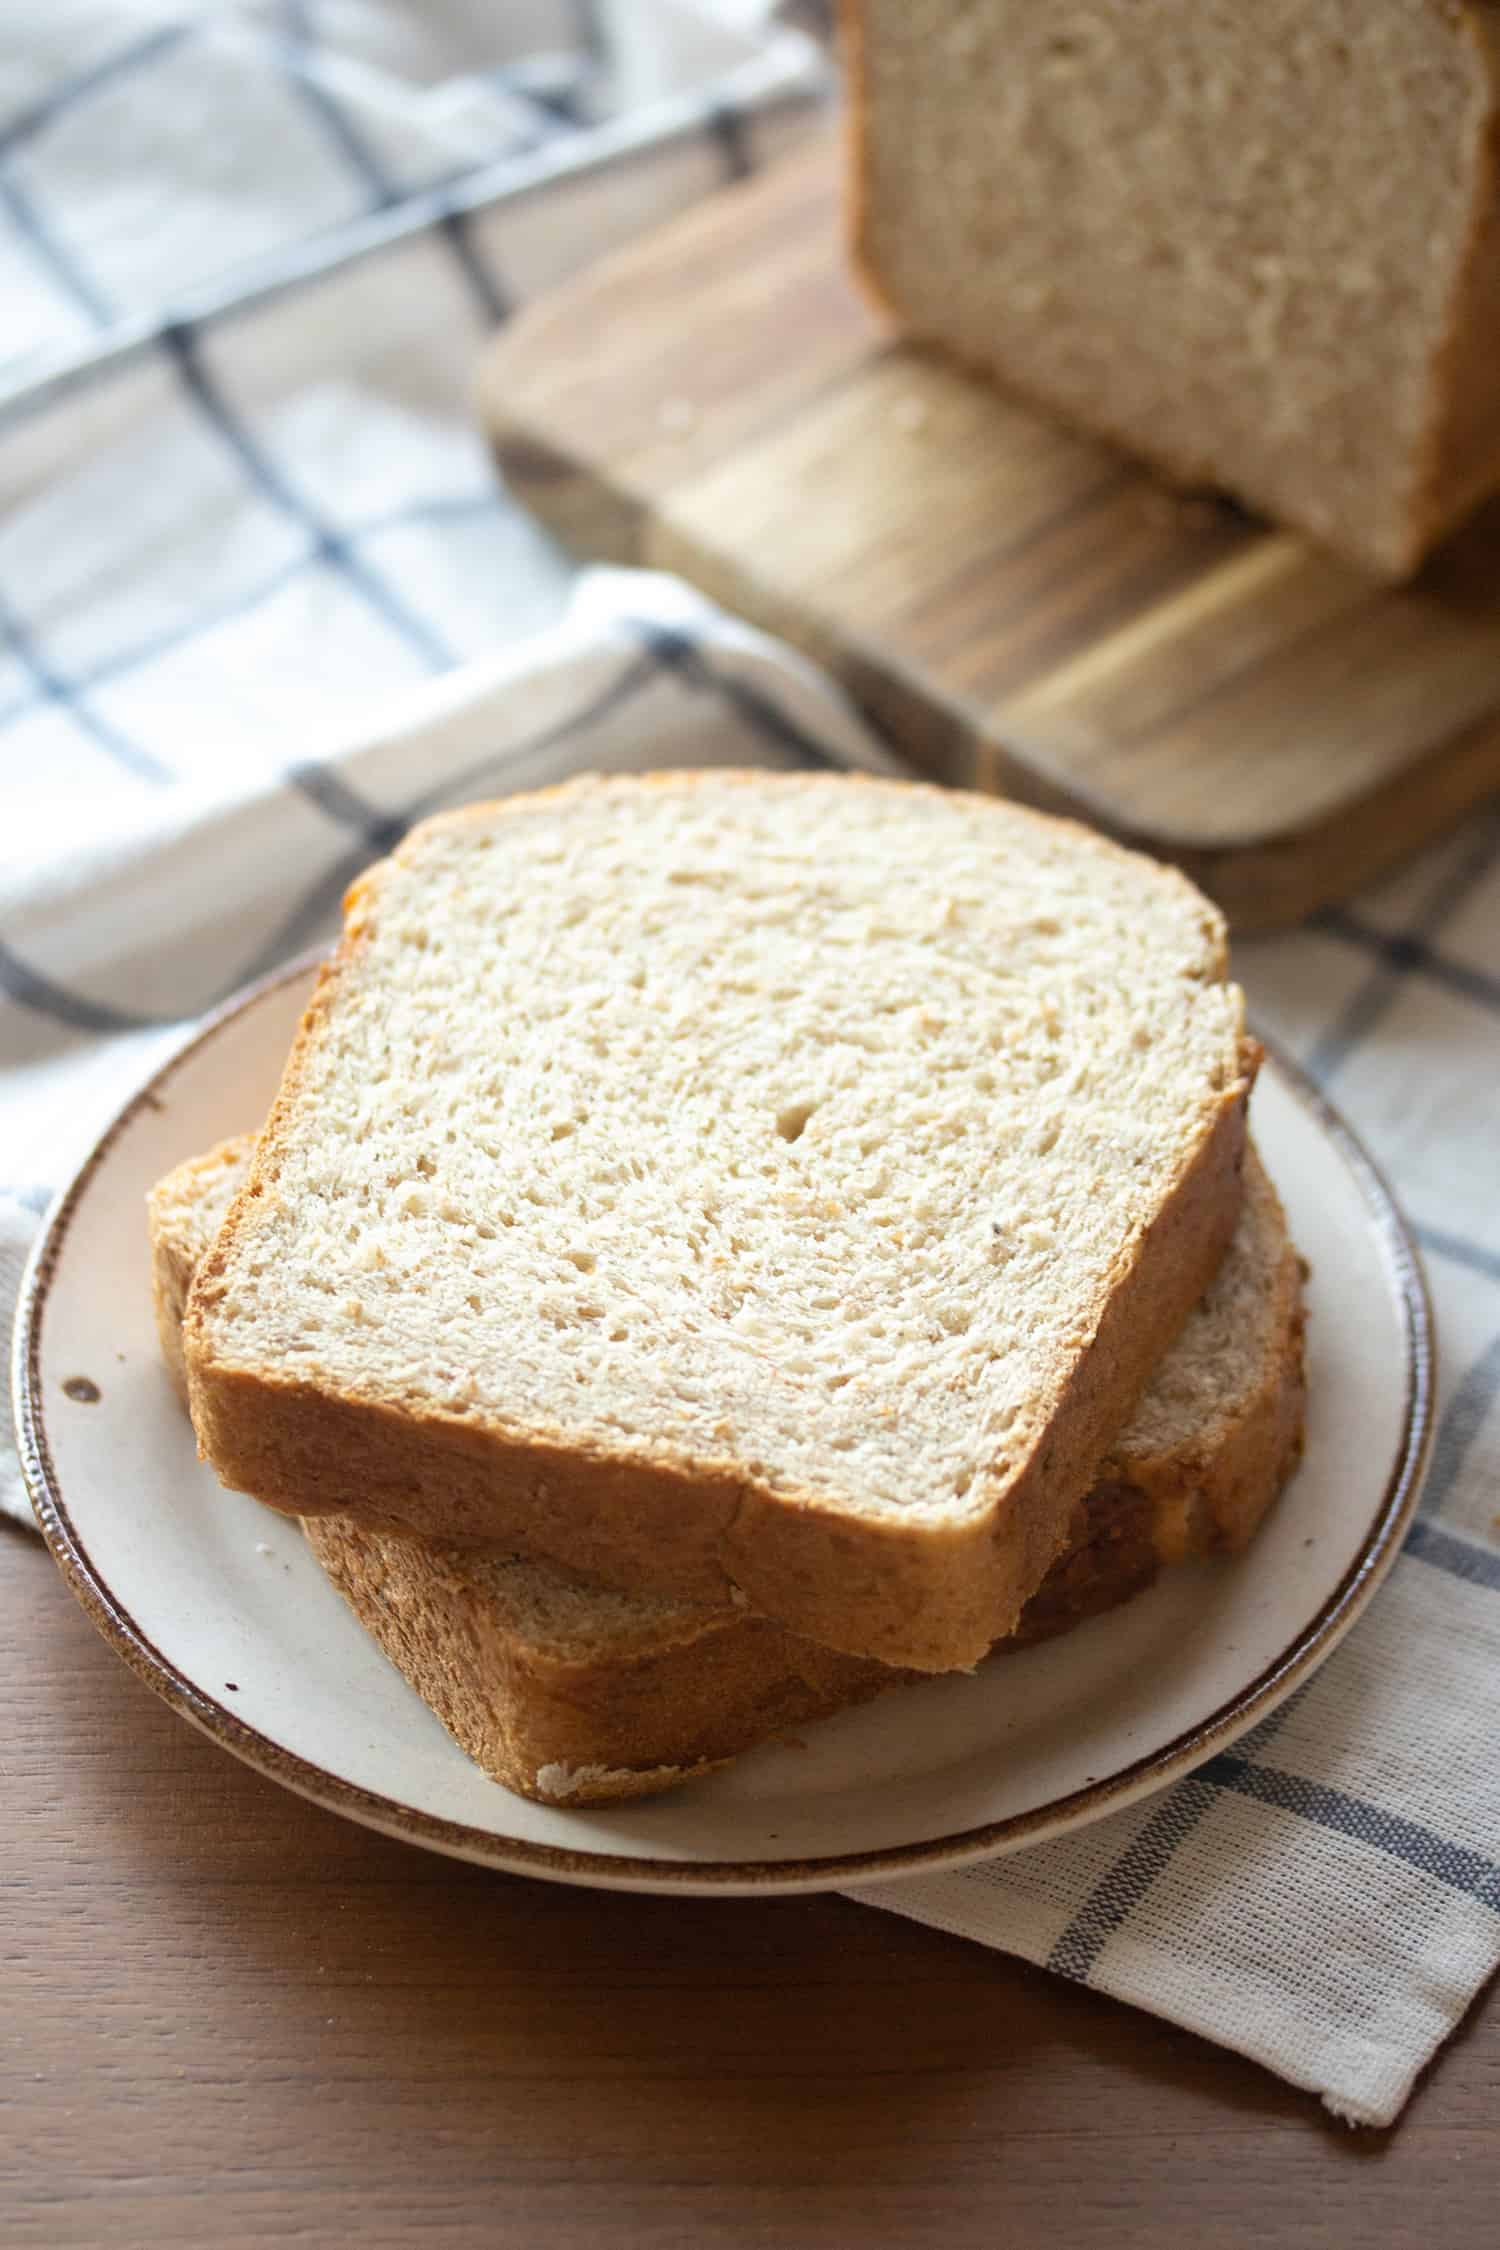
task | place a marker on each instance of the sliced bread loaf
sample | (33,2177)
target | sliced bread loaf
(579,1695)
(735,1187)
(1259,246)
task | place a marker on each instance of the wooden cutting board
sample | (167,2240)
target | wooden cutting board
(1018,608)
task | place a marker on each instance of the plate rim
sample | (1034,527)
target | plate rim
(1307,1649)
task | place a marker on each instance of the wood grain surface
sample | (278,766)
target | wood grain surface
(228,2018)
(1018,607)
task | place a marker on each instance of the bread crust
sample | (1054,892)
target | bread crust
(580,1731)
(1460,459)
(929,1597)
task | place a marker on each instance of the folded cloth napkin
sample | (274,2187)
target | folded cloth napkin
(234,549)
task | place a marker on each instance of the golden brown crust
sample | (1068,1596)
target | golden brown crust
(575,1732)
(929,1597)
(851,34)
(1111,1558)
(1461,454)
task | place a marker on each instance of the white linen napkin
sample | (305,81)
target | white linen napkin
(244,522)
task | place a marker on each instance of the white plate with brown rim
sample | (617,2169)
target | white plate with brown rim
(220,1607)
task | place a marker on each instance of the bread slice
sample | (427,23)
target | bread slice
(577,1695)
(736,1187)
(1259,246)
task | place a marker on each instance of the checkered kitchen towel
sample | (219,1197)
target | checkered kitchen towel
(246,255)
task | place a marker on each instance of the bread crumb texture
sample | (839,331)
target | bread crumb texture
(795,1125)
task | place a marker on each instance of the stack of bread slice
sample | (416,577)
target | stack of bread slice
(726,1244)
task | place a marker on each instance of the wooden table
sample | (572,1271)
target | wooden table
(228,2018)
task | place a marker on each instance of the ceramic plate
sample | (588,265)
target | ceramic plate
(220,1607)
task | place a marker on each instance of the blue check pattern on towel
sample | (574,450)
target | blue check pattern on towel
(262,603)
